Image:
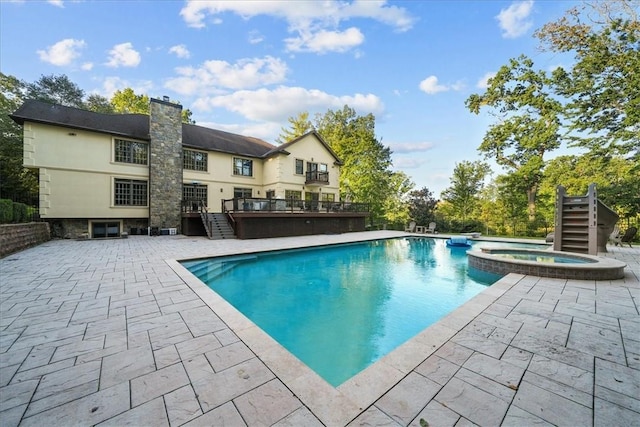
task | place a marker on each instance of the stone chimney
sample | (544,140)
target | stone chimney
(165,164)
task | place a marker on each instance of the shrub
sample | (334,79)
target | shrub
(6,211)
(20,212)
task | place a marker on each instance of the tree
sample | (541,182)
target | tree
(422,206)
(56,90)
(602,88)
(396,206)
(98,104)
(365,173)
(299,126)
(466,183)
(528,122)
(15,180)
(617,180)
(126,101)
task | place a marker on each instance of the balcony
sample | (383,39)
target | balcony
(317,178)
(256,205)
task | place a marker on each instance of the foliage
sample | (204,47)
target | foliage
(466,183)
(299,126)
(20,211)
(365,174)
(528,123)
(99,104)
(56,90)
(602,89)
(14,178)
(6,211)
(396,206)
(126,101)
(617,180)
(422,206)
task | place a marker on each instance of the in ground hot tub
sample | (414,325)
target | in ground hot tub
(561,265)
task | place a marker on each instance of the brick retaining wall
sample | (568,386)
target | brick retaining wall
(15,237)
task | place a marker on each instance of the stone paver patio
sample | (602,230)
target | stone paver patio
(116,332)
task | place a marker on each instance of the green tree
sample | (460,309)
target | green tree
(365,175)
(617,180)
(126,101)
(299,126)
(602,87)
(422,206)
(466,183)
(528,123)
(56,90)
(15,180)
(98,104)
(396,206)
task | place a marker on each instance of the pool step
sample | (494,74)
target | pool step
(208,270)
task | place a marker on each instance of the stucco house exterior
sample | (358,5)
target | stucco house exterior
(102,175)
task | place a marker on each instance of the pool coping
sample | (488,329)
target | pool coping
(340,405)
(598,268)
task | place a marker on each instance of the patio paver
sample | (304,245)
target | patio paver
(109,332)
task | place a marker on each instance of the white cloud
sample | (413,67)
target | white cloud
(180,51)
(123,55)
(406,162)
(215,74)
(483,83)
(279,104)
(324,41)
(430,85)
(63,52)
(411,147)
(514,20)
(267,131)
(57,3)
(314,24)
(255,37)
(111,84)
(87,66)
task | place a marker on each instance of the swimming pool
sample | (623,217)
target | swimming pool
(342,307)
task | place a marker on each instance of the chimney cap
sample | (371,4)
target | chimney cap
(165,98)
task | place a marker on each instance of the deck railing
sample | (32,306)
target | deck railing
(246,204)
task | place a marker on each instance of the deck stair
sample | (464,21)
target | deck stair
(217,226)
(582,222)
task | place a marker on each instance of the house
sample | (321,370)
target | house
(101,175)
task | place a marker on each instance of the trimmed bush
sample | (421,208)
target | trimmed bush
(20,212)
(6,211)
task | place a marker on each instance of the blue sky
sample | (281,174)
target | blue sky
(247,66)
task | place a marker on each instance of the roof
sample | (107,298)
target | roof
(137,126)
(282,149)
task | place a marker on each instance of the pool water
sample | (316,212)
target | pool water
(340,308)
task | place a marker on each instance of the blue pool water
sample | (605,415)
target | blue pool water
(340,308)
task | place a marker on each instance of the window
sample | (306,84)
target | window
(105,229)
(242,167)
(328,197)
(191,192)
(271,194)
(241,193)
(130,152)
(129,192)
(293,198)
(299,167)
(194,160)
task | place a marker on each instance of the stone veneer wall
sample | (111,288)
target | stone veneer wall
(15,237)
(165,164)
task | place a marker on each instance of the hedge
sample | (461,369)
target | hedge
(6,211)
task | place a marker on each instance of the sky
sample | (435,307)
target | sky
(248,66)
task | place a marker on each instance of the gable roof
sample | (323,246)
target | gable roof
(137,126)
(282,149)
